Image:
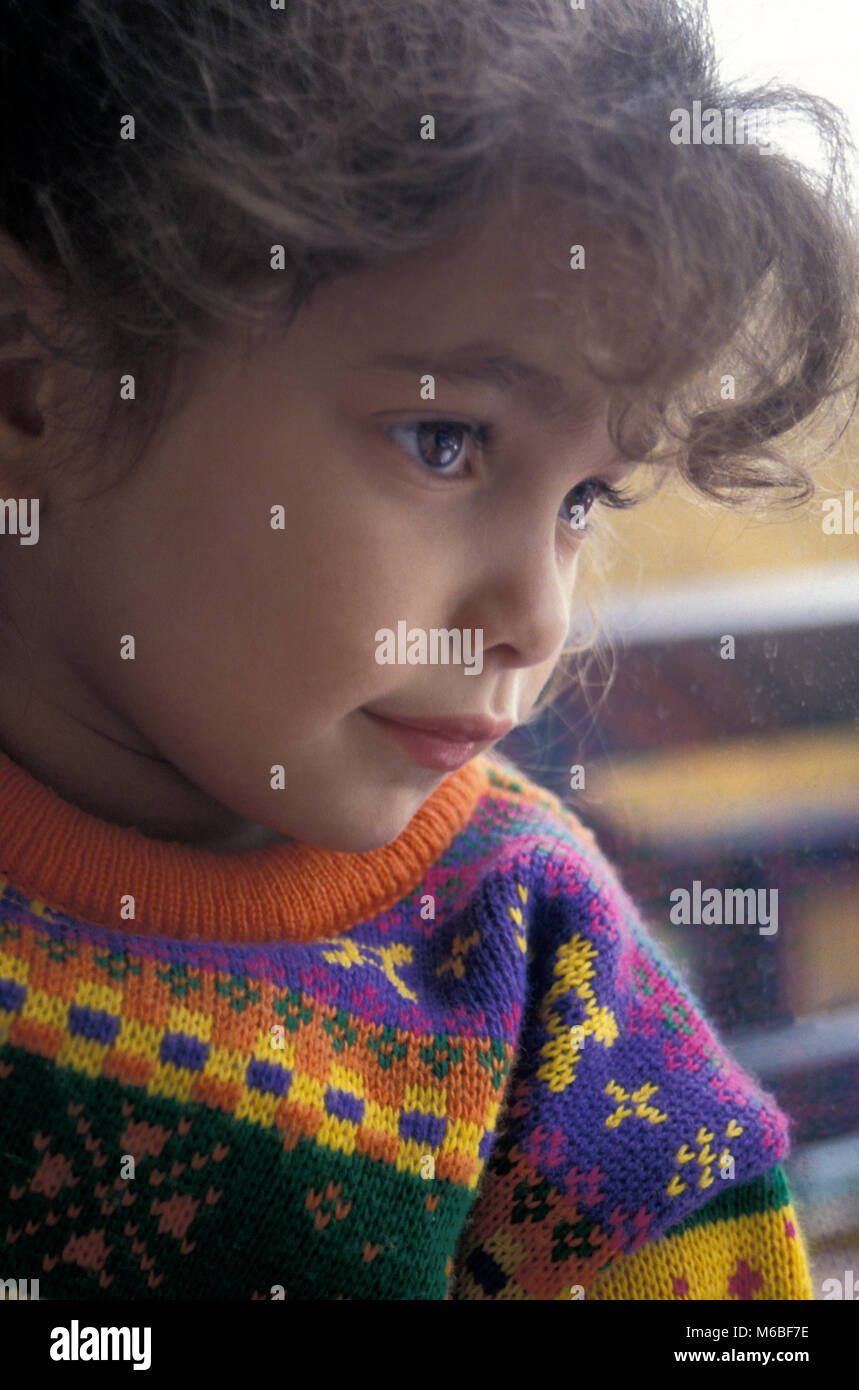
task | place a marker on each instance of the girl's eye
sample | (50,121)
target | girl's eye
(439,444)
(580,499)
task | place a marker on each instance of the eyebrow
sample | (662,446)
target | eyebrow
(485,364)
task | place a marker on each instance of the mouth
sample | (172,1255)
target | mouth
(443,744)
(465,728)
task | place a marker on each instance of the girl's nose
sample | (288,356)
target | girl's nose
(521,593)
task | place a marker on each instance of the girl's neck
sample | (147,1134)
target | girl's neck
(91,869)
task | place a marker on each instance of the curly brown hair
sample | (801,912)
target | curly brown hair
(299,125)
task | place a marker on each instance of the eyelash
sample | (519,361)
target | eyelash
(483,435)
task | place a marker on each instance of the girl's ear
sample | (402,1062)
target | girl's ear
(21,376)
(25,366)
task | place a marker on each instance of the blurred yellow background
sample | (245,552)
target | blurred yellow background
(677,536)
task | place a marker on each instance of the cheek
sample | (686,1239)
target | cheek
(349,566)
(306,616)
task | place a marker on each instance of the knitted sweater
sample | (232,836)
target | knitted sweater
(452,1067)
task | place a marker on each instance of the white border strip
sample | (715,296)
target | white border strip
(757,601)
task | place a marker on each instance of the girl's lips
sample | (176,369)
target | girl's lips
(470,728)
(439,750)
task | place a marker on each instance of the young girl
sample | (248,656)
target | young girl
(325,330)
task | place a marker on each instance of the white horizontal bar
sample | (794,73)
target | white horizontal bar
(756,601)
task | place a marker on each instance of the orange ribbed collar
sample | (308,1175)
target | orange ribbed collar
(83,866)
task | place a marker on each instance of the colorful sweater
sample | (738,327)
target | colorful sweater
(452,1067)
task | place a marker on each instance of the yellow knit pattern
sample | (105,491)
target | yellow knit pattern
(748,1257)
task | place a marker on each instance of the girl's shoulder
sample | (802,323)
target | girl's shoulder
(542,807)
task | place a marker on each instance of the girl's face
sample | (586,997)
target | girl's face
(254,644)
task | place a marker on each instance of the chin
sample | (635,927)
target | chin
(361,831)
(355,840)
(357,819)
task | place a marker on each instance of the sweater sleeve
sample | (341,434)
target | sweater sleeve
(745,1244)
(633,1157)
